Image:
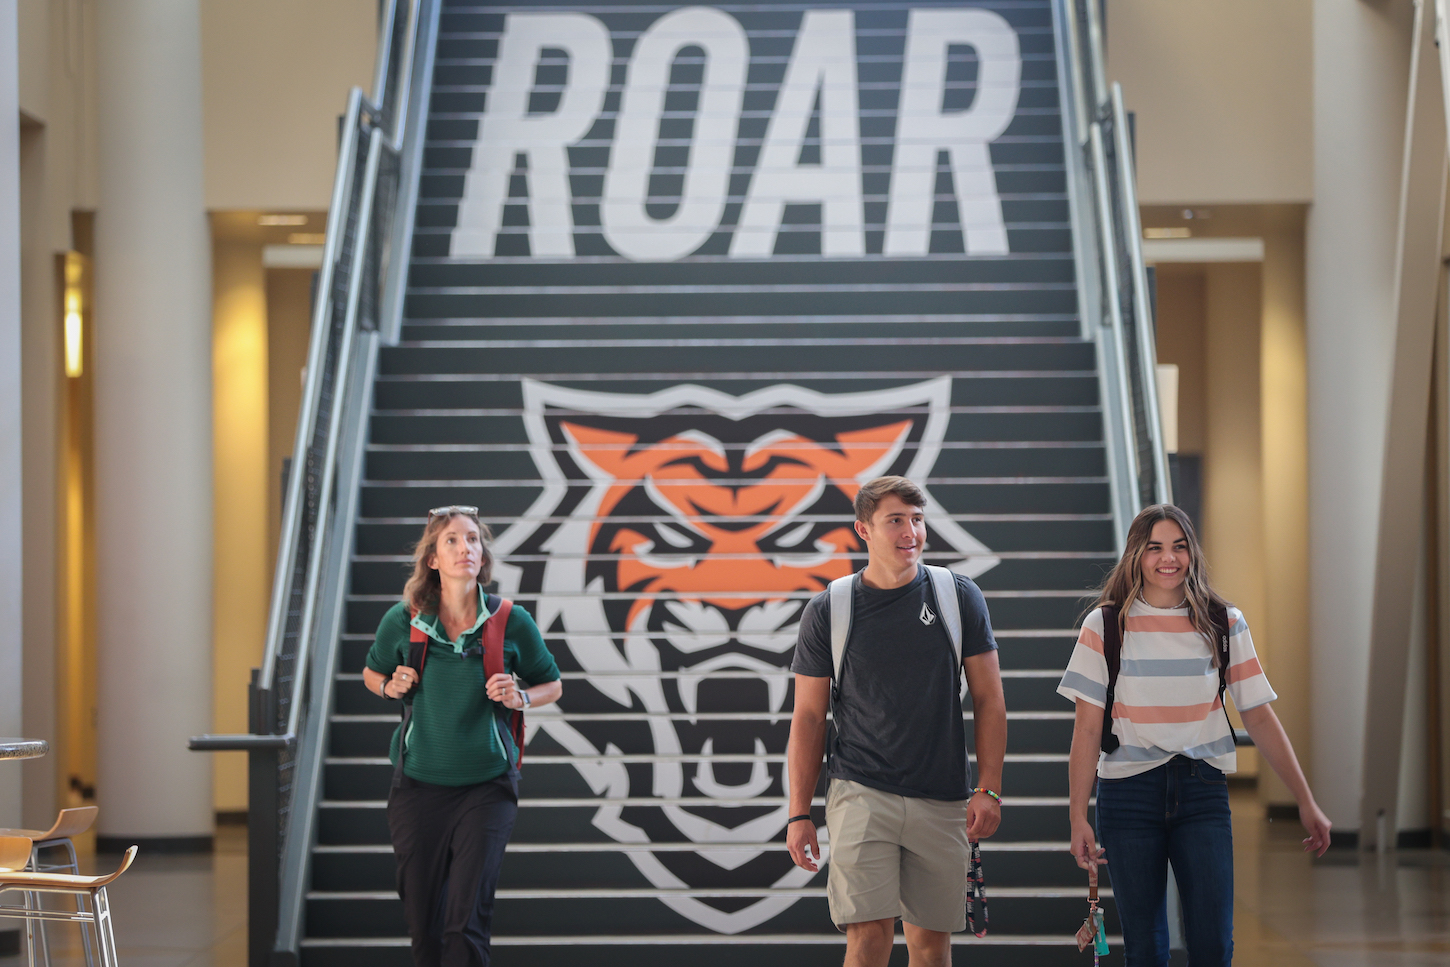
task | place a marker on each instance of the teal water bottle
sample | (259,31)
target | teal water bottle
(1101,940)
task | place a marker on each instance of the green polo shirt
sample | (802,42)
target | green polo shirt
(452,739)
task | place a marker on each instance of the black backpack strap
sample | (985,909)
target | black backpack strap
(1113,652)
(1221,634)
(417,655)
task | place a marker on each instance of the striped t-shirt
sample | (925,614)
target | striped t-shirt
(1166,702)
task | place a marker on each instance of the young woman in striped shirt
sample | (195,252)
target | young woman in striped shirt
(1162,793)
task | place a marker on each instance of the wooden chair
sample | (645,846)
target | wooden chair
(15,851)
(68,824)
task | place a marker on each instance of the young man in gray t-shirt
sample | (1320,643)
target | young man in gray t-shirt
(900,805)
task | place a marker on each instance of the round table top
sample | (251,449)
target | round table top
(23,748)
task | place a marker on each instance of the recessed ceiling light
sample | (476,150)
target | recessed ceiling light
(270,220)
(306,238)
(1166,233)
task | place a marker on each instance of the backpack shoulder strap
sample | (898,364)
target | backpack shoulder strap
(492,638)
(841,590)
(1113,653)
(1221,626)
(510,721)
(417,650)
(944,587)
(417,655)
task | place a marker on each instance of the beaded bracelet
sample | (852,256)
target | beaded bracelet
(989,792)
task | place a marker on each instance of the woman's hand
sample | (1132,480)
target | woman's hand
(402,682)
(1085,845)
(1316,824)
(503,689)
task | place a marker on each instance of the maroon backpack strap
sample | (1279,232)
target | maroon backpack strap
(493,664)
(1113,653)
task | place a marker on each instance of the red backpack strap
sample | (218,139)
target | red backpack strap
(1113,652)
(417,650)
(492,641)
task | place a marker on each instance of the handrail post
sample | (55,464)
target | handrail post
(263,872)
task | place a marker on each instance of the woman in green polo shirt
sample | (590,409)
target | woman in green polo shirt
(452,809)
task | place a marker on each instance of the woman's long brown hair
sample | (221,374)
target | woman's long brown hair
(1124,583)
(424,588)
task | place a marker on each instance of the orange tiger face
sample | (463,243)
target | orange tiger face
(678,538)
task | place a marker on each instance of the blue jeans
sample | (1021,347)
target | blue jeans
(1177,812)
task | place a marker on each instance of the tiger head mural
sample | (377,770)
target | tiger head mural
(678,537)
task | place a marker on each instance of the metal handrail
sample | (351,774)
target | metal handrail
(1116,303)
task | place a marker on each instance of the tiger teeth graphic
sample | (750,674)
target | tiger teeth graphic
(677,537)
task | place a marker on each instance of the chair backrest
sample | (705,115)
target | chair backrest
(72,822)
(110,878)
(14,852)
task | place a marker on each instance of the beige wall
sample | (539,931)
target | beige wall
(239,435)
(1237,333)
(276,74)
(1223,96)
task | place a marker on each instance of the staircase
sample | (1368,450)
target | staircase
(666,445)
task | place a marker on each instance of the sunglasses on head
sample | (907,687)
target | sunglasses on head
(452,509)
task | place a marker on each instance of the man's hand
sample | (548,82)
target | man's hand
(799,836)
(1084,846)
(984,815)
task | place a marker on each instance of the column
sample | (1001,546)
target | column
(242,576)
(1361,67)
(153,427)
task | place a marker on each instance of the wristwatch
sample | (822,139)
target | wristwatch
(524,692)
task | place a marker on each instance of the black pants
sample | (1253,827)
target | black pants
(449,843)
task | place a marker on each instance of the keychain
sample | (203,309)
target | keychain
(1093,930)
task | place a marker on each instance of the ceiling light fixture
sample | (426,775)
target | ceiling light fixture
(271,220)
(306,238)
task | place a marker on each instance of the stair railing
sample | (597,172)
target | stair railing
(357,304)
(1116,302)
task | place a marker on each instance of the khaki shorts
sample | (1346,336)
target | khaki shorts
(896,856)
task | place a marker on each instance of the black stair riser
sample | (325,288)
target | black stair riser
(626,915)
(1035,653)
(1067,388)
(387,577)
(1008,613)
(353,739)
(931,358)
(350,781)
(969,954)
(752,272)
(567,824)
(597,870)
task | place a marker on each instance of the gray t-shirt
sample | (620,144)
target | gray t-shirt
(897,712)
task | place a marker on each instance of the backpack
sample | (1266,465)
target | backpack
(1113,652)
(510,722)
(842,590)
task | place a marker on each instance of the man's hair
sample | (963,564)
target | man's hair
(870,495)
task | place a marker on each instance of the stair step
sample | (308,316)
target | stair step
(541,914)
(706,950)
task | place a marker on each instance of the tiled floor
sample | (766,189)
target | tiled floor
(1347,910)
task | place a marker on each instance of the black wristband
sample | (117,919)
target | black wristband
(794,819)
(384,691)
